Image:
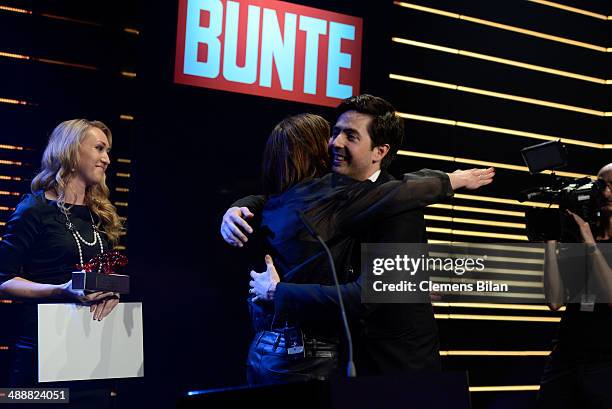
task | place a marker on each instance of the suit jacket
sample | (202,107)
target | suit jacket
(390,337)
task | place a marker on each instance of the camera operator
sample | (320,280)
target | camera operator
(578,373)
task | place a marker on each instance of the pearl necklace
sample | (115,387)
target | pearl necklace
(79,239)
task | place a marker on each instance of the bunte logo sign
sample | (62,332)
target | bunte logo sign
(269,48)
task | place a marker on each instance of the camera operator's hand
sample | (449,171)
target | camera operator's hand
(585,229)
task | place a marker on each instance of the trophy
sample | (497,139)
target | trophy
(99,274)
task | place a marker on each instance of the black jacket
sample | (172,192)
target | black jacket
(390,337)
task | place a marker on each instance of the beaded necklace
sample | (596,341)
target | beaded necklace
(79,239)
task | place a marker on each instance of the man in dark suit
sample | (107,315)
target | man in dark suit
(392,338)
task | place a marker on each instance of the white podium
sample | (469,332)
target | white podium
(71,346)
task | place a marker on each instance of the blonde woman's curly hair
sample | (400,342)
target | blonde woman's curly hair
(60,158)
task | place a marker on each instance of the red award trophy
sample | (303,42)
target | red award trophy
(99,274)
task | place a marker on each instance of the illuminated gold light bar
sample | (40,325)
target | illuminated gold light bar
(508,388)
(67,64)
(505,131)
(503,201)
(126,117)
(7,193)
(427,9)
(485,163)
(427,118)
(121,248)
(521,260)
(122,189)
(122,160)
(15,10)
(121,204)
(6,208)
(513,283)
(15,178)
(48,61)
(493,353)
(131,30)
(506,27)
(526,307)
(10,162)
(534,101)
(11,147)
(505,61)
(13,55)
(71,19)
(571,9)
(505,270)
(489,246)
(496,318)
(477,234)
(497,94)
(533,33)
(531,135)
(13,101)
(123,175)
(476,221)
(128,74)
(477,210)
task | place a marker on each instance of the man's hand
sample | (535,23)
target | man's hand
(234,226)
(585,229)
(263,285)
(471,178)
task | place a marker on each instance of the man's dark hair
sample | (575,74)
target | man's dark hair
(386,126)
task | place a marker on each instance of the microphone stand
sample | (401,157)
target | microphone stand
(351,372)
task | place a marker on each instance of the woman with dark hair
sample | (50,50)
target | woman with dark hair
(295,179)
(66,221)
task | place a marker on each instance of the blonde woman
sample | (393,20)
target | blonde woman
(65,221)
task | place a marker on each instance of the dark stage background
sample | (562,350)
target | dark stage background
(183,154)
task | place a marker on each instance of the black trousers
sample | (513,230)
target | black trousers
(269,362)
(576,382)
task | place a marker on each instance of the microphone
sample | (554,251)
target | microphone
(351,372)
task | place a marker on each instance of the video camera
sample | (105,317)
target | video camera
(581,196)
